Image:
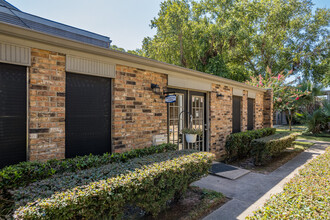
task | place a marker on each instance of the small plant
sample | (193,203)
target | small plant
(199,132)
(191,134)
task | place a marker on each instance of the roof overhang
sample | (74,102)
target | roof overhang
(154,65)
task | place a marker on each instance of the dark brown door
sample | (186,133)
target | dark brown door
(250,114)
(12,114)
(236,114)
(88,112)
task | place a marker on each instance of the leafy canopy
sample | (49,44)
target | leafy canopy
(240,38)
(285,94)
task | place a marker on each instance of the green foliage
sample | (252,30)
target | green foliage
(240,38)
(157,179)
(135,52)
(310,100)
(264,148)
(306,196)
(238,145)
(286,97)
(317,121)
(27,172)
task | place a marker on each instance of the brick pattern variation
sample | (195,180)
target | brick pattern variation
(46,105)
(139,113)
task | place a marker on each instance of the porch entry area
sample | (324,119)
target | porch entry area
(189,111)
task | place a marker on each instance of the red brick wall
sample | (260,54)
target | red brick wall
(244,113)
(268,109)
(46,105)
(220,118)
(259,108)
(139,113)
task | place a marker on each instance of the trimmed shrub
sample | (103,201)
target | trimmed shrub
(306,196)
(264,148)
(27,172)
(148,187)
(69,180)
(238,145)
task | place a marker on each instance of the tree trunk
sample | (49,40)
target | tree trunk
(289,117)
(290,123)
(290,120)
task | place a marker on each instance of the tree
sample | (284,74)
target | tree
(285,95)
(319,120)
(135,52)
(310,102)
(240,38)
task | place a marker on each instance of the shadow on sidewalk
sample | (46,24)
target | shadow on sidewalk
(247,190)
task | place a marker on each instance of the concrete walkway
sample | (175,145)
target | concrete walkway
(250,192)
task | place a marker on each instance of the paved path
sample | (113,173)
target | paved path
(249,192)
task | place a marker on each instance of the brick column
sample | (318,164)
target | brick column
(221,111)
(46,105)
(258,113)
(268,109)
(244,113)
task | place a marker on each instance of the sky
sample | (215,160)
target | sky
(126,22)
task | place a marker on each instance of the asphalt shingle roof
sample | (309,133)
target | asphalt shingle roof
(12,15)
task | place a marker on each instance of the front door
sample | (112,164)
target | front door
(250,114)
(197,118)
(236,119)
(189,111)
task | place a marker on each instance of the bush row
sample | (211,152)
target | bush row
(148,187)
(264,148)
(306,196)
(26,172)
(61,182)
(238,145)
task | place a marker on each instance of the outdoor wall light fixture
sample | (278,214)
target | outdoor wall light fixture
(219,95)
(155,88)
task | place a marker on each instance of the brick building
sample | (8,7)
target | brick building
(63,93)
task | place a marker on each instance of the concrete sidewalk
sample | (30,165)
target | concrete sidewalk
(251,191)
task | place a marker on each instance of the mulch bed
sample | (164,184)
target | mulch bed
(195,204)
(272,165)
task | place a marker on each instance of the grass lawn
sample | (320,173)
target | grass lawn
(300,129)
(306,196)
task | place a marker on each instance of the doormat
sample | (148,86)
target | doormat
(227,171)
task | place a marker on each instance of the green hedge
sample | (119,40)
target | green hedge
(238,145)
(148,187)
(69,180)
(306,196)
(27,172)
(264,148)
